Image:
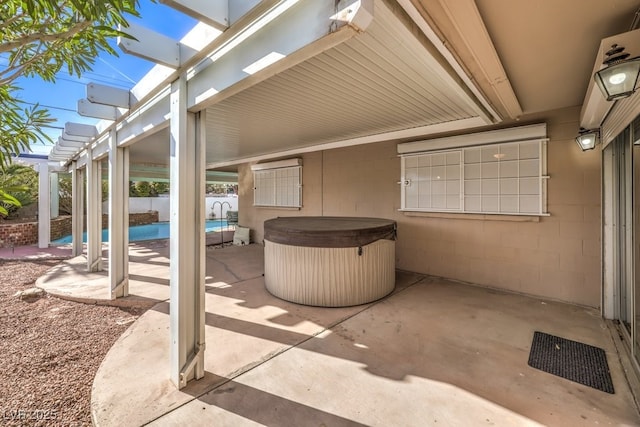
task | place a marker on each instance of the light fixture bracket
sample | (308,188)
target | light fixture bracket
(615,54)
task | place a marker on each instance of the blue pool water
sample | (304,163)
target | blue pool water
(157,230)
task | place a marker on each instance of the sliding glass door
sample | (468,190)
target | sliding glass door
(634,134)
(625,152)
(622,227)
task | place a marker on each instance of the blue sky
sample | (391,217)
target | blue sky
(123,72)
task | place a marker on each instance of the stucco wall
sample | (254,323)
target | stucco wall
(556,257)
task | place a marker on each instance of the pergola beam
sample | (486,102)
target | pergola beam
(161,173)
(80,130)
(82,160)
(109,95)
(97,111)
(100,151)
(74,137)
(211,12)
(144,123)
(64,149)
(70,143)
(154,47)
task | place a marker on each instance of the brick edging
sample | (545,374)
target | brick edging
(26,233)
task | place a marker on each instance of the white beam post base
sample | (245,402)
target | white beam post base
(187,248)
(77,209)
(44,210)
(94,214)
(118,218)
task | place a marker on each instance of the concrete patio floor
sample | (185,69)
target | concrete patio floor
(33,252)
(434,352)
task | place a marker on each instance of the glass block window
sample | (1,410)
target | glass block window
(505,178)
(281,187)
(435,181)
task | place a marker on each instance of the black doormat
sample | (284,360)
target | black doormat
(575,361)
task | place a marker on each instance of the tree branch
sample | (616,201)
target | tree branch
(34,37)
(17,70)
(7,22)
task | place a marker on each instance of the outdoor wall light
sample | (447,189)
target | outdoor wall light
(619,78)
(587,139)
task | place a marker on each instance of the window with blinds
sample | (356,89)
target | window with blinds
(505,178)
(278,187)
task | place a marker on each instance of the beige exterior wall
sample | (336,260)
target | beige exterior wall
(556,257)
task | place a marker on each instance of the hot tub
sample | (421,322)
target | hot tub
(329,261)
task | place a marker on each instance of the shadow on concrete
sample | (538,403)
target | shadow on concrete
(428,330)
(150,279)
(265,408)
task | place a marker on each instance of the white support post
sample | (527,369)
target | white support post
(94,213)
(77,208)
(187,248)
(44,211)
(118,218)
(54,197)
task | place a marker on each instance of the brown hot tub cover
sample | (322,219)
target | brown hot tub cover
(327,231)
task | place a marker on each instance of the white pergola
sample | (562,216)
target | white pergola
(255,80)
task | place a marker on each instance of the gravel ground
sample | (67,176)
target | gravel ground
(50,350)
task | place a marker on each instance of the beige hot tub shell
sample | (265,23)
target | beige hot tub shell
(330,277)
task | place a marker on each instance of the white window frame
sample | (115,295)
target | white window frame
(278,184)
(503,173)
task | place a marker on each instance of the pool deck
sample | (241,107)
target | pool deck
(148,267)
(434,352)
(64,251)
(137,235)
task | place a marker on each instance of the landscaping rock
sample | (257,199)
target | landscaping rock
(30,294)
(51,349)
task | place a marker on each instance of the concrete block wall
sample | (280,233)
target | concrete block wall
(555,257)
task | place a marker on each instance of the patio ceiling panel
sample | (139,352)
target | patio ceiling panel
(386,79)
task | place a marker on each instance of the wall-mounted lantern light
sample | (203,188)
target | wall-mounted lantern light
(587,139)
(619,78)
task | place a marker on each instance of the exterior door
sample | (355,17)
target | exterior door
(635,139)
(623,231)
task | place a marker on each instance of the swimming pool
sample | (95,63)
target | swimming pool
(157,230)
